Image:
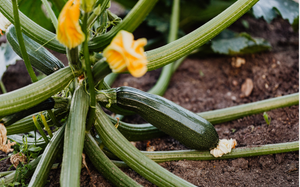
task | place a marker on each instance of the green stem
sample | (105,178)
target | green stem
(50,13)
(98,11)
(166,54)
(89,75)
(52,117)
(21,42)
(109,79)
(166,156)
(2,87)
(44,121)
(133,19)
(73,58)
(235,112)
(37,125)
(164,79)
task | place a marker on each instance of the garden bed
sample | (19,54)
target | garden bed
(209,83)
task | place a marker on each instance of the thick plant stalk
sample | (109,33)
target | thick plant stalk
(235,112)
(168,53)
(35,93)
(40,174)
(104,165)
(89,75)
(73,58)
(162,83)
(241,152)
(74,139)
(113,139)
(21,42)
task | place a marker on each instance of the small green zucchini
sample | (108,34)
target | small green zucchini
(187,127)
(39,57)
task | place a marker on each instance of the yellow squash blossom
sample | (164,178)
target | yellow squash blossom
(126,54)
(69,32)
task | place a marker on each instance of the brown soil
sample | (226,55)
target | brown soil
(273,73)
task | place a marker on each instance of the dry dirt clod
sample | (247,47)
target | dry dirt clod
(247,88)
(237,62)
(17,158)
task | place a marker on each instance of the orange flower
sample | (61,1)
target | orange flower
(124,53)
(68,31)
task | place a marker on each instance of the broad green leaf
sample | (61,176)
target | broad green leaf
(231,43)
(288,9)
(7,57)
(240,44)
(35,11)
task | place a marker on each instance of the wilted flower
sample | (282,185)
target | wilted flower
(4,23)
(17,158)
(223,147)
(5,147)
(124,53)
(69,32)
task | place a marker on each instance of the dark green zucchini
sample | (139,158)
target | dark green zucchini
(48,104)
(185,126)
(39,56)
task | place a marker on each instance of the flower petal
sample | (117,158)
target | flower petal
(69,32)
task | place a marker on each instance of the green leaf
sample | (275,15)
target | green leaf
(288,9)
(34,148)
(7,57)
(33,9)
(230,43)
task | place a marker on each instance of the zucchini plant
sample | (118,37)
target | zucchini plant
(70,98)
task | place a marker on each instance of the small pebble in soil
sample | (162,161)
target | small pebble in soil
(246,88)
(235,83)
(151,148)
(266,86)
